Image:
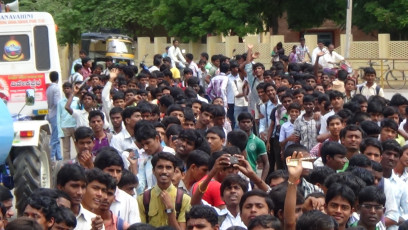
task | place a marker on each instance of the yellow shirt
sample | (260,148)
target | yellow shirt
(157,211)
(175,72)
(401,140)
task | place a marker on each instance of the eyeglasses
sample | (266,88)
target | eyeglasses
(371,206)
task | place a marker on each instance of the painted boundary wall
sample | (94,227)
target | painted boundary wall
(396,52)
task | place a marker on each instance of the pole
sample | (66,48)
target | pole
(348,28)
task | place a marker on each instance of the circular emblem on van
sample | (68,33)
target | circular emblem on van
(13,51)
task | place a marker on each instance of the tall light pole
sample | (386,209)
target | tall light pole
(348,28)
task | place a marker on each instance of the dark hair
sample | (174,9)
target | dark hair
(54,76)
(363,174)
(294,106)
(278,194)
(119,95)
(23,223)
(392,145)
(292,148)
(173,108)
(389,111)
(141,226)
(77,67)
(315,219)
(233,179)
(265,221)
(371,194)
(203,212)
(335,94)
(308,98)
(167,121)
(374,107)
(83,132)
(333,117)
(218,111)
(355,183)
(279,173)
(198,158)
(370,127)
(95,113)
(127,178)
(96,174)
(44,204)
(180,164)
(332,148)
(164,156)
(376,166)
(397,100)
(244,116)
(216,130)
(70,172)
(108,156)
(115,110)
(360,160)
(128,112)
(166,100)
(65,215)
(256,192)
(173,129)
(5,194)
(319,174)
(145,130)
(204,55)
(200,142)
(238,138)
(344,131)
(389,123)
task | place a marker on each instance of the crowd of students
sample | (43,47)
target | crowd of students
(228,145)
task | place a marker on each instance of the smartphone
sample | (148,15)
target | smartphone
(233,160)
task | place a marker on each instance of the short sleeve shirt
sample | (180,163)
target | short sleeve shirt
(157,210)
(255,148)
(213,194)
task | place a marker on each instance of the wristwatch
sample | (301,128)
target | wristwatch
(169,210)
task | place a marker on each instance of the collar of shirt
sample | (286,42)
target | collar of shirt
(168,190)
(86,214)
(371,87)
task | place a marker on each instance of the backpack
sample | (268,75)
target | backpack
(146,202)
(377,89)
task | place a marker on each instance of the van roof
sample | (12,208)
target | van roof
(104,36)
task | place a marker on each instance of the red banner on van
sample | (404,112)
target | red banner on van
(13,87)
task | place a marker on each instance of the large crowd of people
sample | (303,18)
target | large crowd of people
(222,144)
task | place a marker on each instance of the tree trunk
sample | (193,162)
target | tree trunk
(70,57)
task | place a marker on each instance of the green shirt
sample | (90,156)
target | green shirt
(344,167)
(255,147)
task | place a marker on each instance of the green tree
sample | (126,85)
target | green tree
(193,19)
(384,16)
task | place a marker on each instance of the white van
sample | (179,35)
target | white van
(28,53)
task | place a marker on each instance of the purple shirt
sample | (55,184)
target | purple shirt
(104,142)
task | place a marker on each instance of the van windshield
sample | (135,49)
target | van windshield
(118,46)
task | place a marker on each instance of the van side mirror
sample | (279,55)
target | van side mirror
(30,97)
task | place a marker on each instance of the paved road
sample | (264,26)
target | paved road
(390,92)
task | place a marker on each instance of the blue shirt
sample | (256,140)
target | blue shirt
(53,97)
(64,119)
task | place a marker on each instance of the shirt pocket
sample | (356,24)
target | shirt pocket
(153,212)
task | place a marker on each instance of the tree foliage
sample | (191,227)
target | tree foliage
(193,19)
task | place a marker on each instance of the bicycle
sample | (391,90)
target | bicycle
(395,78)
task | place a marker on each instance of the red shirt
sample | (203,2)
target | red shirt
(213,193)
